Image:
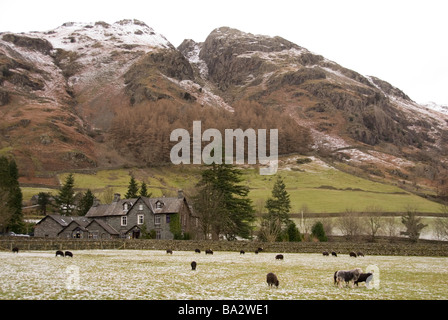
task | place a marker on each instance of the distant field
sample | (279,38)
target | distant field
(316,185)
(152,274)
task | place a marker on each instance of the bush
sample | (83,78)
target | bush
(318,231)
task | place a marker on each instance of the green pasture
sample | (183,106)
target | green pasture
(317,186)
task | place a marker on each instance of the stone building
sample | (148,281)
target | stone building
(163,218)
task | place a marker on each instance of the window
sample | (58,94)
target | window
(140,219)
(124,221)
(140,207)
(158,234)
(159,204)
(168,218)
(157,219)
(125,207)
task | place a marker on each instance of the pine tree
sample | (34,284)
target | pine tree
(317,230)
(236,214)
(132,189)
(65,200)
(43,199)
(11,207)
(144,190)
(279,205)
(86,203)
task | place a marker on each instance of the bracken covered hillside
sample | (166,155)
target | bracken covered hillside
(96,95)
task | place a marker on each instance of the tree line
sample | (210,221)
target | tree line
(144,130)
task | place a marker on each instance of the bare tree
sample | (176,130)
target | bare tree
(349,224)
(413,224)
(391,226)
(373,222)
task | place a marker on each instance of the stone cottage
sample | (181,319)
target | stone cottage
(163,218)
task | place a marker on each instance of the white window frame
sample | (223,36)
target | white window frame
(140,207)
(158,234)
(157,219)
(125,207)
(140,219)
(124,221)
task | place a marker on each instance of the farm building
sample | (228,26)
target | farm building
(163,218)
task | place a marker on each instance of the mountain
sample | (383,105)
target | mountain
(96,95)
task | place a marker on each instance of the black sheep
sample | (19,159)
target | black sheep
(242,252)
(197,251)
(271,279)
(334,254)
(68,254)
(364,277)
(59,253)
(325,253)
(169,251)
(352,254)
(208,251)
(360,254)
(193,265)
(279,257)
(15,250)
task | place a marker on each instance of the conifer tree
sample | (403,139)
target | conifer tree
(144,190)
(65,200)
(86,203)
(132,189)
(279,205)
(236,213)
(11,194)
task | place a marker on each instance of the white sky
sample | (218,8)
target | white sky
(402,42)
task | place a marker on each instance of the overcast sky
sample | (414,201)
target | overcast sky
(402,42)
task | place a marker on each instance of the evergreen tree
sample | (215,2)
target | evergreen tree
(293,232)
(144,190)
(86,203)
(43,199)
(317,230)
(65,200)
(11,194)
(279,205)
(132,189)
(236,214)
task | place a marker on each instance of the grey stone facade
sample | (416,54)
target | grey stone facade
(163,218)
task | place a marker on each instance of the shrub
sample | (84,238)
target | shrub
(318,231)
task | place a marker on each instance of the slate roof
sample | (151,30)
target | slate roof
(169,205)
(66,220)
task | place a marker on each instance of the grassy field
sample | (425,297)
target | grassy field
(316,185)
(143,274)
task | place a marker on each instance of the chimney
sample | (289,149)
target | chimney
(116,197)
(180,194)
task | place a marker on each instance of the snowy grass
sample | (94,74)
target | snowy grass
(152,274)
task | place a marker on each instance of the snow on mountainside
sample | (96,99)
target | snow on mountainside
(87,74)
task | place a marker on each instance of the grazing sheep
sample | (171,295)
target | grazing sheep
(325,253)
(360,254)
(260,249)
(352,254)
(242,252)
(15,250)
(364,277)
(59,253)
(169,251)
(334,253)
(347,276)
(271,279)
(68,254)
(208,251)
(197,251)
(279,257)
(193,265)
(256,251)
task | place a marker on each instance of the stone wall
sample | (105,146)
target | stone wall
(342,248)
